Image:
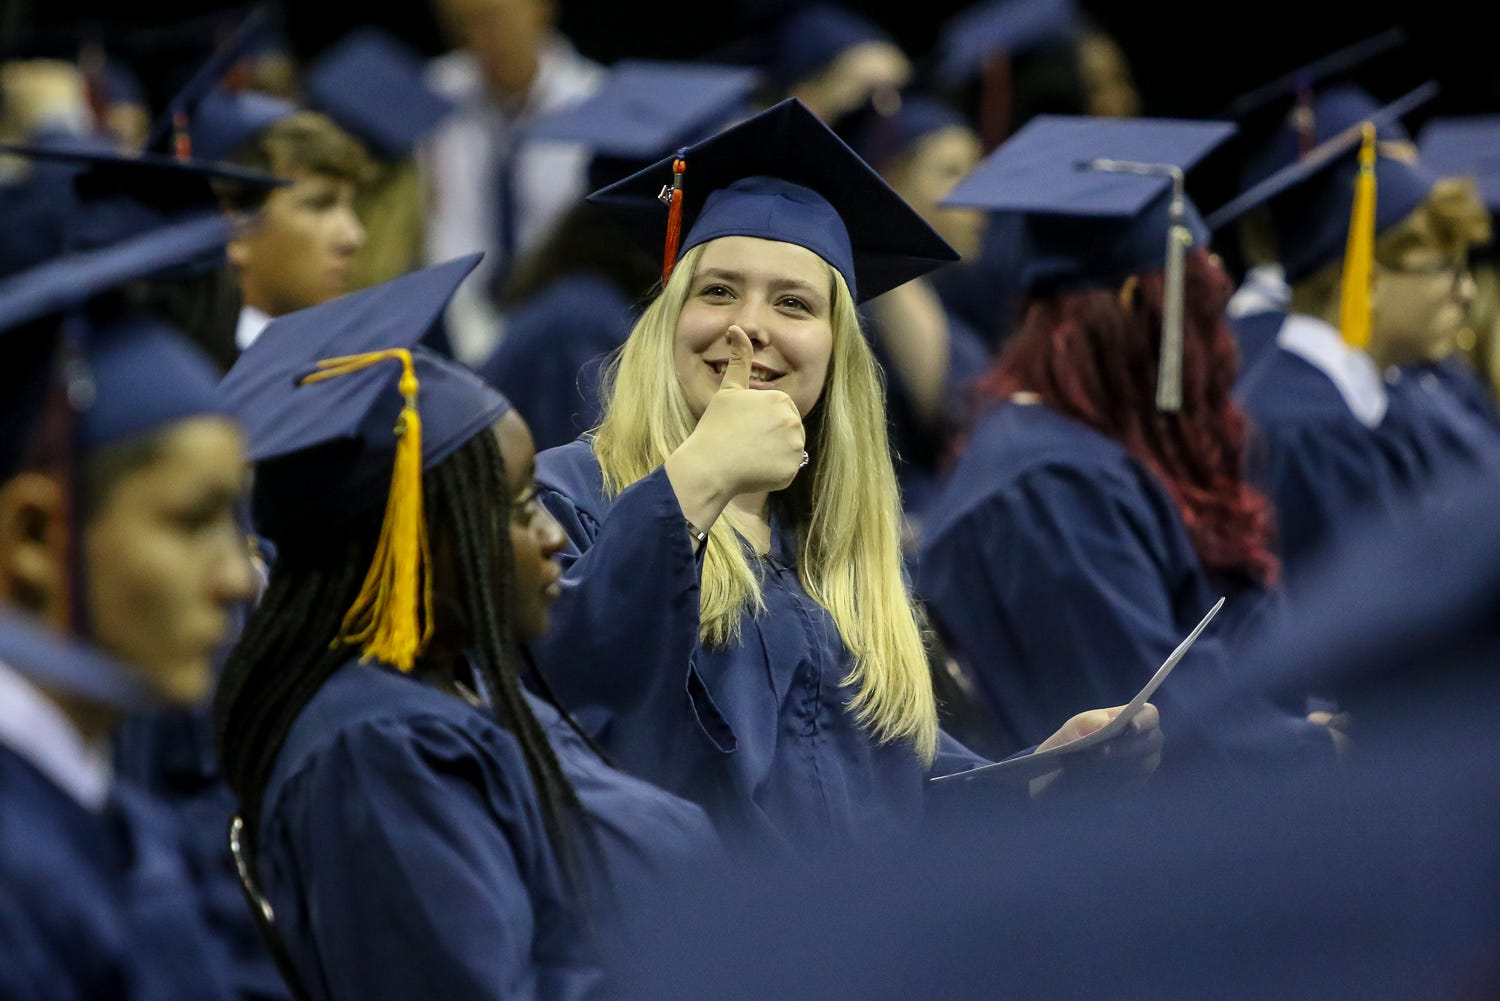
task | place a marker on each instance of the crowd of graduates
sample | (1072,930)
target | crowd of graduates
(503,526)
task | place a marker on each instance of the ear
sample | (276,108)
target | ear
(238,252)
(34,546)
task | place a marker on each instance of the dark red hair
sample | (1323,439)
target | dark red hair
(1092,355)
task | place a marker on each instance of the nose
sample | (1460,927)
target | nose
(550,535)
(233,576)
(1464,288)
(751,320)
(350,235)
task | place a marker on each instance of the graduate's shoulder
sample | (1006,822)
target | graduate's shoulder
(1026,449)
(573,471)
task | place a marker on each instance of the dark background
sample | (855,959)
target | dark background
(1189,59)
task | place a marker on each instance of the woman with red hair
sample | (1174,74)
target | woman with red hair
(1100,505)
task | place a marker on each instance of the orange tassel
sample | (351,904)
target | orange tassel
(391,618)
(674,219)
(1355,307)
(182,142)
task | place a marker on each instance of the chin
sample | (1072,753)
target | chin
(186,683)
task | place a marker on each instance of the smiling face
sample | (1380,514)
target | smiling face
(781,295)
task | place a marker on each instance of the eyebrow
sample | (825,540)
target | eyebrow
(779,283)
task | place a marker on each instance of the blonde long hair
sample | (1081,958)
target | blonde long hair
(847,521)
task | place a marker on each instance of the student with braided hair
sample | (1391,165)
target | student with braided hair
(420,824)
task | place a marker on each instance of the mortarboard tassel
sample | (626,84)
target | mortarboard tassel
(1169,371)
(995,100)
(1359,252)
(673,199)
(391,619)
(182,142)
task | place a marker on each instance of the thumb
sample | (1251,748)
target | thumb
(737,373)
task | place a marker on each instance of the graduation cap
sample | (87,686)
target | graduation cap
(807,40)
(1466,147)
(64,665)
(1334,201)
(1299,85)
(979,43)
(1103,200)
(880,137)
(645,110)
(374,87)
(127,374)
(344,410)
(229,121)
(782,175)
(1002,27)
(116,196)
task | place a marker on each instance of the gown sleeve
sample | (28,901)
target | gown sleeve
(620,652)
(409,867)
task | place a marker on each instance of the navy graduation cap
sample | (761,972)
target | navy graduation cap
(373,86)
(171,129)
(1298,85)
(811,38)
(344,411)
(1335,200)
(1103,200)
(1465,147)
(782,175)
(645,110)
(116,196)
(62,664)
(969,39)
(223,121)
(136,374)
(881,137)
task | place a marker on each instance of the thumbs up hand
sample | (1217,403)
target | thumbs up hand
(747,441)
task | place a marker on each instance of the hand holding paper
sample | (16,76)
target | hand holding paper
(1048,757)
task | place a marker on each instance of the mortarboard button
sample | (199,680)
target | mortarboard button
(784,175)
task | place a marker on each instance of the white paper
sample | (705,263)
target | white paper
(1041,762)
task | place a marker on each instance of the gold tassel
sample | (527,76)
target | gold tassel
(391,618)
(1359,252)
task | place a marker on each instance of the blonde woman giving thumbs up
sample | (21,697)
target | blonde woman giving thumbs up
(734,624)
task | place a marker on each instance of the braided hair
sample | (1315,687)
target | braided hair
(288,652)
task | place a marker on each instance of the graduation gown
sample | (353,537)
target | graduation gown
(1255,335)
(1442,420)
(548,363)
(403,848)
(1060,572)
(96,904)
(758,733)
(1321,445)
(170,755)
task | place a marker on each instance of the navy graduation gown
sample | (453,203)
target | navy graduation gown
(1442,422)
(403,848)
(1059,570)
(548,363)
(169,753)
(758,733)
(96,904)
(1324,467)
(1255,335)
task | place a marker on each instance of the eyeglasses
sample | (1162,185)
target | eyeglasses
(1458,269)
